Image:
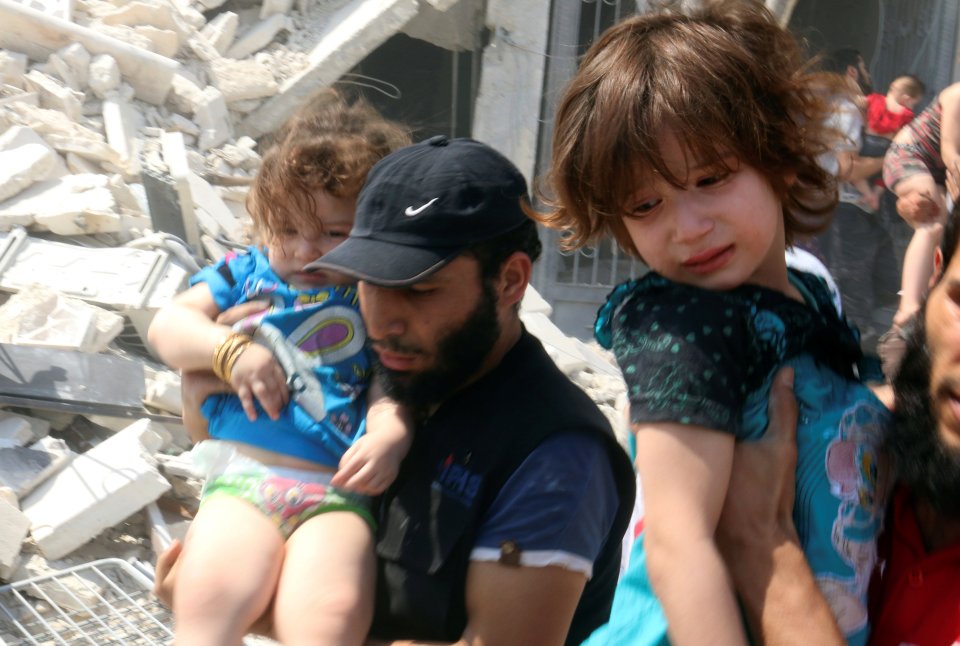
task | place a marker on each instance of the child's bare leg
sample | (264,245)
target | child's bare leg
(325,595)
(917,270)
(228,573)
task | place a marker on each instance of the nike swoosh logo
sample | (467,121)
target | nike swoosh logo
(412,211)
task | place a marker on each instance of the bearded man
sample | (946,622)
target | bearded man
(504,524)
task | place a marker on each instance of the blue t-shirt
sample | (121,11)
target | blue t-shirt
(708,358)
(558,504)
(319,339)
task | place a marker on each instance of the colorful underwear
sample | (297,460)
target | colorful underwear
(286,501)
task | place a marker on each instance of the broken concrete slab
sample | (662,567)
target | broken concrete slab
(454,25)
(13,67)
(14,525)
(122,123)
(78,59)
(38,428)
(212,117)
(41,317)
(122,278)
(69,205)
(54,95)
(163,390)
(14,432)
(206,198)
(351,34)
(96,490)
(221,31)
(172,208)
(242,80)
(202,49)
(103,75)
(271,7)
(154,13)
(37,35)
(186,94)
(210,4)
(25,158)
(22,469)
(65,73)
(259,36)
(165,42)
(93,149)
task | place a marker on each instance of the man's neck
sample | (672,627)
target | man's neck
(937,532)
(509,335)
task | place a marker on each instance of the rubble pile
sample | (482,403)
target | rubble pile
(127,143)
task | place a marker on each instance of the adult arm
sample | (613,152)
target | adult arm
(515,606)
(759,542)
(559,505)
(685,470)
(195,387)
(950,135)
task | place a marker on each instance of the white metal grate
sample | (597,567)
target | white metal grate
(105,602)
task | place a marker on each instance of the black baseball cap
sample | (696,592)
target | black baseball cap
(422,205)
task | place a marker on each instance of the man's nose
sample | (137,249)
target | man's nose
(383,310)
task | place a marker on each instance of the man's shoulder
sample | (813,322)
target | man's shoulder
(530,380)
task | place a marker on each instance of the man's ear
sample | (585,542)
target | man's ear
(937,266)
(514,277)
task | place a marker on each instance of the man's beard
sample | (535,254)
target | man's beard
(929,468)
(459,355)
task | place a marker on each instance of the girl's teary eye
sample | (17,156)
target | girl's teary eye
(641,209)
(713,179)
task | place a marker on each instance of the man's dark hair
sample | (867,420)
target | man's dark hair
(951,237)
(491,253)
(840,59)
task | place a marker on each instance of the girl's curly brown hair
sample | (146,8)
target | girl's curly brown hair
(329,144)
(724,79)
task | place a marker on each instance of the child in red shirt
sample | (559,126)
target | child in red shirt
(886,114)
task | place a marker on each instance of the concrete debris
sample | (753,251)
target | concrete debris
(220,32)
(14,431)
(242,80)
(128,140)
(25,158)
(23,468)
(40,316)
(97,490)
(13,529)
